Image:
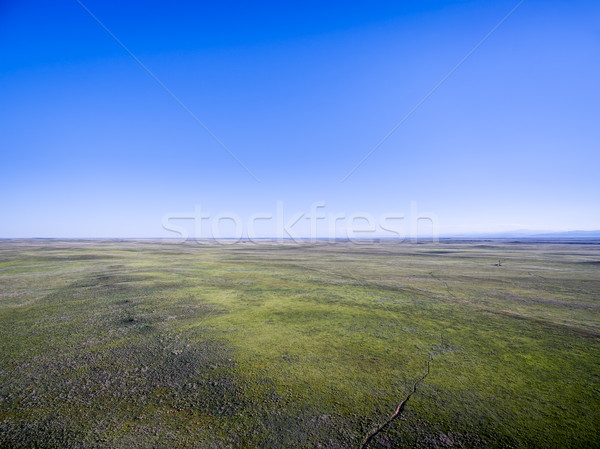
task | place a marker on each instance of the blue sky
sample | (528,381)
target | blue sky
(299,92)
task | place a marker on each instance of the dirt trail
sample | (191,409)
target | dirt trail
(397,413)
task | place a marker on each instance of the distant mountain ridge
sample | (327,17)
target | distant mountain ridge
(532,235)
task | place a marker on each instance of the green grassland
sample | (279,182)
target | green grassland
(131,344)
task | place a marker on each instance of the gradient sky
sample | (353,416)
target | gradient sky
(300,92)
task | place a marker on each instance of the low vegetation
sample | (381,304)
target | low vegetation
(136,344)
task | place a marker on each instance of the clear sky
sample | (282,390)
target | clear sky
(300,92)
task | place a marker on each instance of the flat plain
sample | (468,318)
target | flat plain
(142,343)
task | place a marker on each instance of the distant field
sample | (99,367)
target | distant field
(144,344)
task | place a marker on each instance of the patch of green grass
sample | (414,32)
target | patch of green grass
(145,344)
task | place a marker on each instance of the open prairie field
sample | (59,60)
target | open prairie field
(139,344)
